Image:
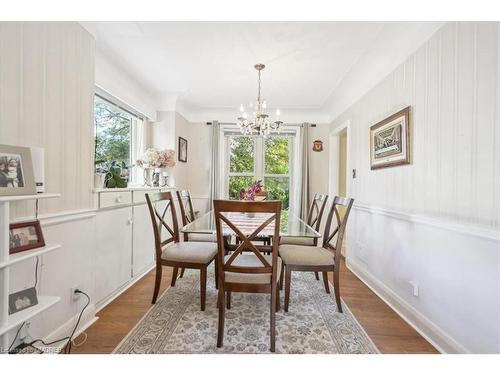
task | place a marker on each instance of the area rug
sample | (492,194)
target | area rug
(312,325)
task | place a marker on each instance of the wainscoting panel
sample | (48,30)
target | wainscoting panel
(456,274)
(46,94)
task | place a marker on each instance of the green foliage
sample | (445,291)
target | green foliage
(112,133)
(236,183)
(276,155)
(241,154)
(114,176)
(278,188)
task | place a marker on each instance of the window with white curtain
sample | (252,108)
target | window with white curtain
(253,158)
(119,135)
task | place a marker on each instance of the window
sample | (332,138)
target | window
(253,158)
(118,134)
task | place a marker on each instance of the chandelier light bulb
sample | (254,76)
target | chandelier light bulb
(242,109)
(278,114)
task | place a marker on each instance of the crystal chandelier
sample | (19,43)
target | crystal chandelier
(260,122)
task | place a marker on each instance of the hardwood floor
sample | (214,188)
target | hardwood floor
(389,332)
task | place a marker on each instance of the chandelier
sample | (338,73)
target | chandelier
(260,122)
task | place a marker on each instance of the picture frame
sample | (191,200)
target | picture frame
(390,141)
(16,171)
(22,300)
(25,236)
(183,144)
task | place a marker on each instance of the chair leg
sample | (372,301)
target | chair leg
(282,275)
(174,276)
(325,280)
(277,298)
(317,275)
(216,275)
(273,319)
(228,300)
(182,273)
(336,287)
(203,286)
(157,283)
(288,279)
(220,327)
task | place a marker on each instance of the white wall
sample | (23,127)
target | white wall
(46,87)
(435,222)
(112,79)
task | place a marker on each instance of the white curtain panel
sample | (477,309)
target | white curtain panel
(301,193)
(215,170)
(139,136)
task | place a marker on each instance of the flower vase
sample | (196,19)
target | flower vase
(151,177)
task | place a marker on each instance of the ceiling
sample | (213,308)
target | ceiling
(209,65)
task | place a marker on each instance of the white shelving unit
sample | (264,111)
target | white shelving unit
(9,322)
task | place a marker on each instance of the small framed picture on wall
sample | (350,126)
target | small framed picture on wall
(390,144)
(183,149)
(25,236)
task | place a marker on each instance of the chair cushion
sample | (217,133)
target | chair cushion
(304,241)
(190,252)
(250,260)
(306,255)
(201,237)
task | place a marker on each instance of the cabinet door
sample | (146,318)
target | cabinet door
(143,250)
(114,250)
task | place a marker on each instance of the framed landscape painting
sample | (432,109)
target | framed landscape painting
(390,141)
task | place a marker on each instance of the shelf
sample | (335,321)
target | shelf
(11,198)
(19,257)
(44,302)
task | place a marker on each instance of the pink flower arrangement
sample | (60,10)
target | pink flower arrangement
(157,159)
(253,189)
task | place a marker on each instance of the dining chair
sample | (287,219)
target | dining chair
(251,271)
(314,216)
(319,259)
(188,215)
(190,255)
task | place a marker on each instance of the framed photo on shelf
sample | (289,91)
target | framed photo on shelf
(22,300)
(183,149)
(25,236)
(390,144)
(16,171)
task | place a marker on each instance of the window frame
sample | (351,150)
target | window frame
(259,172)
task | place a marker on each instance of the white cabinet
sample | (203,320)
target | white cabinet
(143,249)
(114,250)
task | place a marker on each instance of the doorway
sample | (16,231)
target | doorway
(339,167)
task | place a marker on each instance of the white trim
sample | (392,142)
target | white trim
(423,325)
(333,180)
(475,230)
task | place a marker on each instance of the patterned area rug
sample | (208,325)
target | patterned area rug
(312,325)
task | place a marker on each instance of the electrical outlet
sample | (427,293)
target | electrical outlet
(75,296)
(414,286)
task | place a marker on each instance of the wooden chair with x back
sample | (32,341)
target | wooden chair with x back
(319,259)
(190,255)
(250,271)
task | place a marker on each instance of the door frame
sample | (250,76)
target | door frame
(334,141)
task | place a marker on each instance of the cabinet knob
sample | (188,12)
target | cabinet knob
(118,199)
(130,221)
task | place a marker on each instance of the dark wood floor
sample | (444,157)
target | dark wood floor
(389,332)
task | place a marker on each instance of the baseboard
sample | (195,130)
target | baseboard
(106,301)
(88,318)
(423,325)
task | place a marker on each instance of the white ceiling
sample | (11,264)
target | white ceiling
(209,65)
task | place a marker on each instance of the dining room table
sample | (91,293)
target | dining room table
(291,225)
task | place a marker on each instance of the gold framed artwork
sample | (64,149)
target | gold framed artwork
(390,138)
